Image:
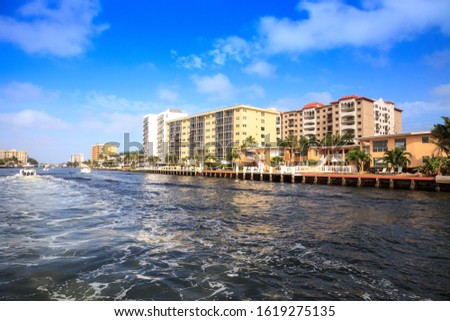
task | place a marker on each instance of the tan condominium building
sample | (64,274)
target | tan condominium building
(102,151)
(21,156)
(355,115)
(218,132)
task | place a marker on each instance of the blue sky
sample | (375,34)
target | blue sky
(75,72)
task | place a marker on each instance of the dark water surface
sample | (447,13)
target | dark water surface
(129,236)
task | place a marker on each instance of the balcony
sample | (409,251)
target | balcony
(309,129)
(347,109)
(348,120)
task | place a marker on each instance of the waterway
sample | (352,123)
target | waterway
(134,236)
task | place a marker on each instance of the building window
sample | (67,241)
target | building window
(380,146)
(263,128)
(425,139)
(400,143)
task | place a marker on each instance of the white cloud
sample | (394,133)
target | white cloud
(65,30)
(255,91)
(218,85)
(33,119)
(98,101)
(335,24)
(114,123)
(438,59)
(422,115)
(442,90)
(261,68)
(231,48)
(168,94)
(323,97)
(295,103)
(188,62)
(21,91)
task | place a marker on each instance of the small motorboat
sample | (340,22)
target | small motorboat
(85,169)
(27,170)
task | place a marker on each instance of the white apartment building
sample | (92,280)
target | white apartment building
(77,158)
(155,134)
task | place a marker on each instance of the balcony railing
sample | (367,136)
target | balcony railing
(347,109)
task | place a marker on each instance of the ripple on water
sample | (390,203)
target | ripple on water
(124,236)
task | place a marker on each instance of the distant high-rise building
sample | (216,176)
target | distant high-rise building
(102,151)
(155,135)
(355,115)
(21,156)
(77,158)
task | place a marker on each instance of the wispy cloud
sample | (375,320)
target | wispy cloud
(438,59)
(113,123)
(168,94)
(188,62)
(231,48)
(442,91)
(63,29)
(422,115)
(217,86)
(294,103)
(107,102)
(33,119)
(344,25)
(261,68)
(19,91)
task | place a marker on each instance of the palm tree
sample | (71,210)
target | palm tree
(359,156)
(153,159)
(210,159)
(250,141)
(440,135)
(292,143)
(171,159)
(276,160)
(397,157)
(434,166)
(330,142)
(233,156)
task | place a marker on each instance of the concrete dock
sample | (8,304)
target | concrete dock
(356,180)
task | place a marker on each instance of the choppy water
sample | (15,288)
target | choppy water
(127,236)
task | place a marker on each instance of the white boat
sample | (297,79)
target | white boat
(27,170)
(85,170)
(46,168)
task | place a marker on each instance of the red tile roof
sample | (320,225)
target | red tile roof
(313,105)
(349,97)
